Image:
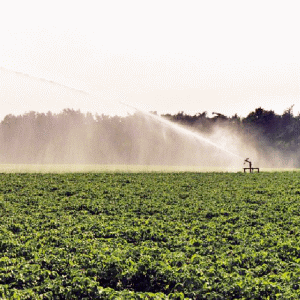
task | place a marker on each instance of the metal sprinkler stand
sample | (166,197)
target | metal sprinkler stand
(250,166)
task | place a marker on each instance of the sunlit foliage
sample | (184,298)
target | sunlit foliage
(150,236)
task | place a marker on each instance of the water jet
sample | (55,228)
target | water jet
(181,129)
(174,143)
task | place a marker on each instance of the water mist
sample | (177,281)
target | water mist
(183,131)
(167,142)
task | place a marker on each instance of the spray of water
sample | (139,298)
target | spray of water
(182,130)
(165,122)
(50,81)
(142,151)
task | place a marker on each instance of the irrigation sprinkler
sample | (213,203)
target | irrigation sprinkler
(250,166)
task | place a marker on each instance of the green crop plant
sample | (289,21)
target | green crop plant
(150,236)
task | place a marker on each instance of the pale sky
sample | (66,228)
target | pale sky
(165,56)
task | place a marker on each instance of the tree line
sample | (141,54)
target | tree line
(75,137)
(265,126)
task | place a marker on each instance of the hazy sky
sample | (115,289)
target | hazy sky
(166,56)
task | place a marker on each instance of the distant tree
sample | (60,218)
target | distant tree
(264,120)
(219,116)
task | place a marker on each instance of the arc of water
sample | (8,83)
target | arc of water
(19,73)
(182,130)
(178,128)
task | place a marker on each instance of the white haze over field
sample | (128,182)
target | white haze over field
(166,56)
(178,145)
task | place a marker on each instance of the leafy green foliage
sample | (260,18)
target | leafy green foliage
(150,236)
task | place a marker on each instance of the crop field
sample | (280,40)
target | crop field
(150,235)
